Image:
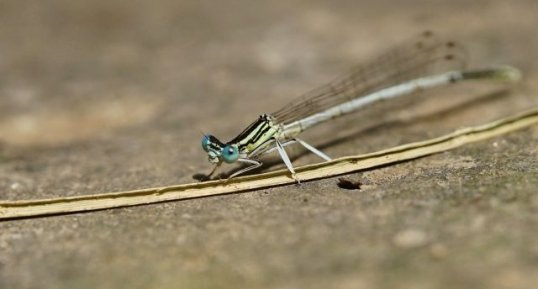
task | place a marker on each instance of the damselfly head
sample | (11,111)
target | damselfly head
(207,142)
(213,147)
(217,151)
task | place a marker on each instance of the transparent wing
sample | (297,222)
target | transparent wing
(424,55)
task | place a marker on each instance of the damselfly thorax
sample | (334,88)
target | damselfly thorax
(417,65)
(257,135)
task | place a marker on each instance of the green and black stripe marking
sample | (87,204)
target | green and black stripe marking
(256,134)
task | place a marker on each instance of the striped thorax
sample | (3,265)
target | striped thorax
(255,138)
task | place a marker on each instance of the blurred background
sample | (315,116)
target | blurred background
(100,96)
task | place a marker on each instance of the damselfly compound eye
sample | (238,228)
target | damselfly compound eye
(230,153)
(205,143)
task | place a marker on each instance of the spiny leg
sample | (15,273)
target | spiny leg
(286,159)
(304,144)
(282,152)
(313,149)
(213,170)
(253,165)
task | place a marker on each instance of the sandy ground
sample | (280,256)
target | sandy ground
(99,96)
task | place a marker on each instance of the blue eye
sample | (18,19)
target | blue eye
(205,143)
(230,153)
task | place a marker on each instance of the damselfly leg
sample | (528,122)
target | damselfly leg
(254,164)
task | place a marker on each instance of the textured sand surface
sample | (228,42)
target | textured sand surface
(99,96)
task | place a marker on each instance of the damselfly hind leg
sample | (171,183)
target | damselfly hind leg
(313,149)
(279,146)
(309,147)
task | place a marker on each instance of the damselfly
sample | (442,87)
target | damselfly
(419,64)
